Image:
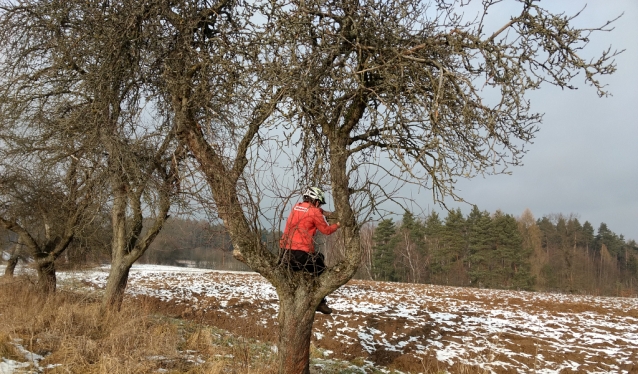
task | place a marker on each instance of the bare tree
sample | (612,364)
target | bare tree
(45,204)
(409,257)
(85,62)
(394,93)
(142,158)
(156,184)
(367,248)
(51,179)
(378,95)
(531,235)
(220,80)
(362,96)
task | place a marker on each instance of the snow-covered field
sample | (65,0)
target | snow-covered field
(413,328)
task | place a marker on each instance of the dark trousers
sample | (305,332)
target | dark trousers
(313,263)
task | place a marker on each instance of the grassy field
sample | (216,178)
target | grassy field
(66,333)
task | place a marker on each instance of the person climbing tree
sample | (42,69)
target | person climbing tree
(297,244)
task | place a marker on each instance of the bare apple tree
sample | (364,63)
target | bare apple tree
(368,96)
(84,62)
(46,199)
(361,96)
(51,180)
(388,94)
(224,78)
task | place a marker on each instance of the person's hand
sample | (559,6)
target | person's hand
(331,217)
(338,224)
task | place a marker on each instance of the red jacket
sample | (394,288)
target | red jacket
(302,225)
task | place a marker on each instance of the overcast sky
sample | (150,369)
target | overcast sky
(584,160)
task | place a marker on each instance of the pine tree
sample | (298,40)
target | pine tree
(433,231)
(504,262)
(474,216)
(550,242)
(549,236)
(564,259)
(575,232)
(588,236)
(515,258)
(454,237)
(383,258)
(609,239)
(479,260)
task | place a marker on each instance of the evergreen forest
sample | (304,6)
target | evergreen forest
(555,253)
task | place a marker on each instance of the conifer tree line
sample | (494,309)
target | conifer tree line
(498,250)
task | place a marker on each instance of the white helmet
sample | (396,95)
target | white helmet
(315,193)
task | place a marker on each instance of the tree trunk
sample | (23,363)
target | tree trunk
(296,315)
(16,253)
(11,265)
(46,275)
(115,286)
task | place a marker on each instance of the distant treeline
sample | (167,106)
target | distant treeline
(498,250)
(554,253)
(195,243)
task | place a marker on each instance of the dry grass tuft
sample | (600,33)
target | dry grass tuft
(69,330)
(7,349)
(201,340)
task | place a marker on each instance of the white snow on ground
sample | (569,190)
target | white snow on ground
(494,329)
(10,366)
(31,365)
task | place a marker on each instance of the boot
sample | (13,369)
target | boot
(323,307)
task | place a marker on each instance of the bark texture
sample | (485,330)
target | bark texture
(115,286)
(296,316)
(128,245)
(11,266)
(47,281)
(15,256)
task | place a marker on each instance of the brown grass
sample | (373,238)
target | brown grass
(7,349)
(68,329)
(149,335)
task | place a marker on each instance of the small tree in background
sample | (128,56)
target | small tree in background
(531,236)
(453,252)
(433,244)
(410,247)
(46,204)
(479,247)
